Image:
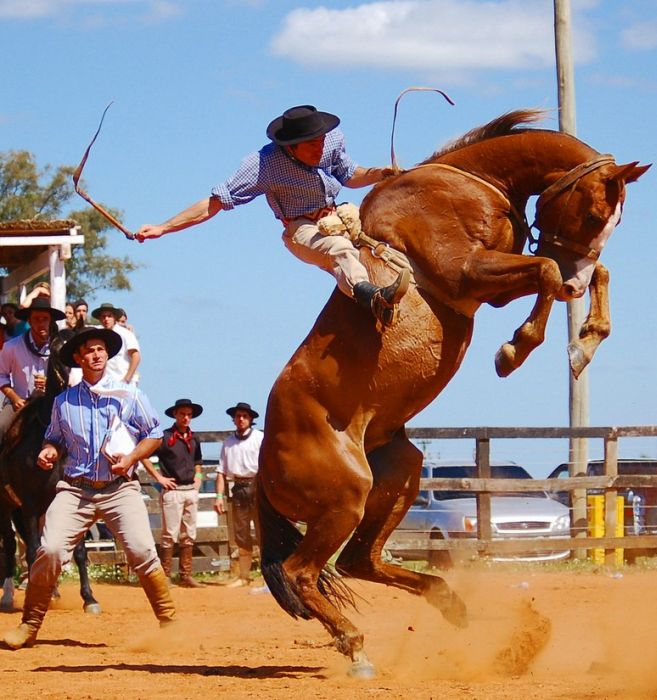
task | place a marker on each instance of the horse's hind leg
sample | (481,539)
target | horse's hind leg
(396,468)
(91,605)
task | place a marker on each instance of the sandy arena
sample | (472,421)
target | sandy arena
(532,634)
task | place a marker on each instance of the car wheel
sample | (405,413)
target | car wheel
(439,558)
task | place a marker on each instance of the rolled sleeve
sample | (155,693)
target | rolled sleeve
(144,418)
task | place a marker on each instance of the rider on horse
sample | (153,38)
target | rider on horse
(300,173)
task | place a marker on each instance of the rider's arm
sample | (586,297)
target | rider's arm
(367,176)
(195,214)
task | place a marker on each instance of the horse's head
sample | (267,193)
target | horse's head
(57,378)
(577,214)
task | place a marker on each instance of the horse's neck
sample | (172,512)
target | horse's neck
(522,164)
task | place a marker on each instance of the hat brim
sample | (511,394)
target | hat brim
(115,312)
(197,409)
(276,133)
(233,410)
(112,340)
(24,314)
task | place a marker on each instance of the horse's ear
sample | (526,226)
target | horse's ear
(630,172)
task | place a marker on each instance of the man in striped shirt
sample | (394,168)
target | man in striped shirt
(300,174)
(96,481)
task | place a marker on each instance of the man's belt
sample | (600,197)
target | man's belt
(82,482)
(312,215)
(243,479)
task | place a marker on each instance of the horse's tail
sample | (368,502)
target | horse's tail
(279,538)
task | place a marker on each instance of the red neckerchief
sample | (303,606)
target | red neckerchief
(187,438)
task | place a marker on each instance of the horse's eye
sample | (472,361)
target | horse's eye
(592,219)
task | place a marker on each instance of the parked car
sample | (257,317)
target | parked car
(453,515)
(640,512)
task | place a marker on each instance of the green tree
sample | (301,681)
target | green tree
(27,193)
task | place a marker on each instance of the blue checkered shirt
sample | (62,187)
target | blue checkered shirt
(291,188)
(80,420)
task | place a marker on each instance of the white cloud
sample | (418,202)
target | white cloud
(446,35)
(38,9)
(641,37)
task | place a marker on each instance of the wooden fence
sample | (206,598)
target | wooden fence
(214,544)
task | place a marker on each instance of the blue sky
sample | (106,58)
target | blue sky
(220,308)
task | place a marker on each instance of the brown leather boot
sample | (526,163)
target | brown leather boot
(156,587)
(185,579)
(35,607)
(383,301)
(166,559)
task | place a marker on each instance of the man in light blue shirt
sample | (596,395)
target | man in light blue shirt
(300,174)
(96,481)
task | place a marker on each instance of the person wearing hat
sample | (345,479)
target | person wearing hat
(238,461)
(96,482)
(24,359)
(300,173)
(123,366)
(179,473)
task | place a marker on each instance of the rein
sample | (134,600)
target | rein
(570,179)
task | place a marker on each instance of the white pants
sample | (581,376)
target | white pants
(335,254)
(179,509)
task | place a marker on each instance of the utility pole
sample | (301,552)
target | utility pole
(578,388)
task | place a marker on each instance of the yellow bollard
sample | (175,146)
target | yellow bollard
(596,526)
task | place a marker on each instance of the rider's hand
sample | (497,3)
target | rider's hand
(149,231)
(47,458)
(121,464)
(18,403)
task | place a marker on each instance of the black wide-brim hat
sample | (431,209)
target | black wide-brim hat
(106,307)
(241,406)
(40,304)
(299,124)
(197,409)
(111,339)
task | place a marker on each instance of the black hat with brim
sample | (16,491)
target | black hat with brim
(241,406)
(40,304)
(106,307)
(197,409)
(111,339)
(301,123)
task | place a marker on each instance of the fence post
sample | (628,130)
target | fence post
(484,530)
(611,508)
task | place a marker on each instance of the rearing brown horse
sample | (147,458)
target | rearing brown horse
(335,454)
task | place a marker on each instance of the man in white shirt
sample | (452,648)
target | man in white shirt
(24,359)
(123,366)
(239,462)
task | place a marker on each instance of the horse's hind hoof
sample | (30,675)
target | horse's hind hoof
(456,612)
(362,671)
(93,608)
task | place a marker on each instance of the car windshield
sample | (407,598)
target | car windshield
(624,468)
(503,471)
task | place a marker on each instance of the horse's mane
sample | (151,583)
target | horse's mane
(501,126)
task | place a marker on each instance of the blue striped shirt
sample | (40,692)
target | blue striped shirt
(291,188)
(80,420)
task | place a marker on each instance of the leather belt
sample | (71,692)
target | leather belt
(243,479)
(312,215)
(83,483)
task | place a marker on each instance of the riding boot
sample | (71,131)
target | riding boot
(35,607)
(166,559)
(185,579)
(156,587)
(245,572)
(383,301)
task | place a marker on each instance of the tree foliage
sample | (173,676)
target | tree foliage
(27,193)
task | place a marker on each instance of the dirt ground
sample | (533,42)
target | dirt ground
(532,634)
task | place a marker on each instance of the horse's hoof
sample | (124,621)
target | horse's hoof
(93,608)
(577,359)
(362,671)
(456,612)
(504,358)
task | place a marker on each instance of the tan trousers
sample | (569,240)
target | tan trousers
(335,254)
(74,510)
(179,509)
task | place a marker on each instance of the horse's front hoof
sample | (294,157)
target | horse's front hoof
(577,359)
(93,608)
(504,360)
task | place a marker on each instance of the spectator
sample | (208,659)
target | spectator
(24,359)
(239,461)
(179,473)
(81,309)
(41,291)
(69,321)
(95,483)
(12,326)
(123,320)
(122,367)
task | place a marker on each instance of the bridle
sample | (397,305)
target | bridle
(569,180)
